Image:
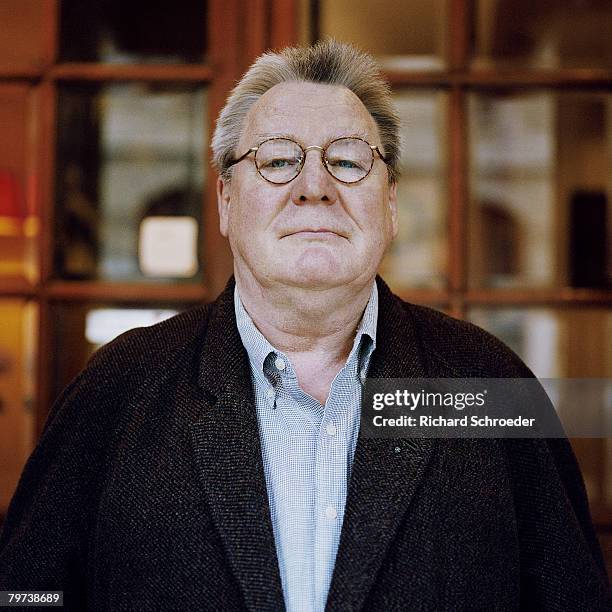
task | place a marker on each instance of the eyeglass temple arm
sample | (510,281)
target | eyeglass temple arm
(235,161)
(375,148)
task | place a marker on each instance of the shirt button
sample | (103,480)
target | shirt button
(330,512)
(270,393)
(363,374)
(330,429)
(279,363)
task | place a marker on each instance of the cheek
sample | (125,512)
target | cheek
(376,216)
(249,215)
(239,219)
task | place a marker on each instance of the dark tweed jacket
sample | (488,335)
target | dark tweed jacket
(147,491)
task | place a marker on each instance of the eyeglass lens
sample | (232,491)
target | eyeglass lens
(279,160)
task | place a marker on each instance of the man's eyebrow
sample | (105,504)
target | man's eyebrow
(264,135)
(351,134)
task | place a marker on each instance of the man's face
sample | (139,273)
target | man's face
(275,231)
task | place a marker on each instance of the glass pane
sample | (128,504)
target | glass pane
(22,35)
(130,180)
(568,343)
(417,257)
(546,35)
(404,35)
(18,221)
(540,189)
(80,329)
(17,424)
(138,31)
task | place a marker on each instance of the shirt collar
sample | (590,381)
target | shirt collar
(258,348)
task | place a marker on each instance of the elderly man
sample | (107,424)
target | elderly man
(215,461)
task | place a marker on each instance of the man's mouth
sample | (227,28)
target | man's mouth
(314,232)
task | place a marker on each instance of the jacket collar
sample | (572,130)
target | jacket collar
(228,456)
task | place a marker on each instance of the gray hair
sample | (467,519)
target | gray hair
(328,61)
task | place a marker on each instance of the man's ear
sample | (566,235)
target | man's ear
(223,204)
(393,209)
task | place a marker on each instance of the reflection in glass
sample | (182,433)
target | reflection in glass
(404,35)
(18,221)
(540,189)
(17,423)
(80,329)
(22,34)
(417,257)
(568,343)
(128,153)
(138,31)
(104,324)
(545,35)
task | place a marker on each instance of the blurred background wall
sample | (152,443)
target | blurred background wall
(107,208)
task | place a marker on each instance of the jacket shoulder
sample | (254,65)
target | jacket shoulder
(467,349)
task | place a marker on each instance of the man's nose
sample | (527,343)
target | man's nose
(314,183)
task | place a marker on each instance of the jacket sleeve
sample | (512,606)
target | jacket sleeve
(47,530)
(562,567)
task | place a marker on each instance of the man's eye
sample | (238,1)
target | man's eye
(344,163)
(279,163)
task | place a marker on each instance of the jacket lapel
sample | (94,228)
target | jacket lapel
(383,480)
(227,453)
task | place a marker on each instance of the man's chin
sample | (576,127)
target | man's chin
(317,278)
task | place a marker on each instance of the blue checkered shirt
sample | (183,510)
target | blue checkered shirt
(307,452)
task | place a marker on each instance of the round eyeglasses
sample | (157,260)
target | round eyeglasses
(279,160)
